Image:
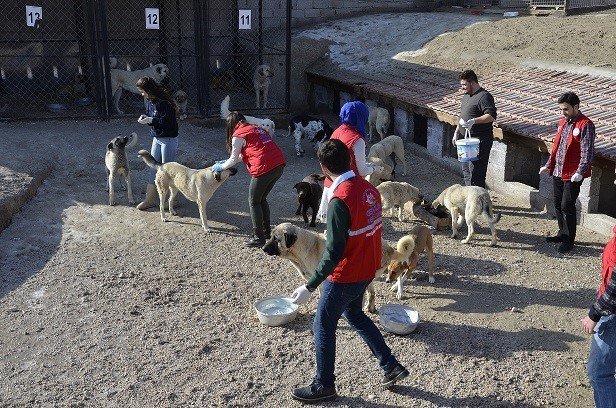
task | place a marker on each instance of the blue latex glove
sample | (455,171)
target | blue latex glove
(217,168)
(220,161)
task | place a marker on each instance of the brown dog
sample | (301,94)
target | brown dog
(411,246)
(309,193)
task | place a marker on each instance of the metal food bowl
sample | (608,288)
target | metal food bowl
(57,107)
(398,319)
(85,101)
(276,310)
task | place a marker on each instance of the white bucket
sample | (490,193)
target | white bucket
(468,148)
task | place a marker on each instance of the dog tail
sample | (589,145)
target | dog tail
(224,107)
(486,204)
(133,140)
(113,62)
(405,247)
(149,159)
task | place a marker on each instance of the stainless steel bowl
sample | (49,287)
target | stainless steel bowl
(57,107)
(398,319)
(276,310)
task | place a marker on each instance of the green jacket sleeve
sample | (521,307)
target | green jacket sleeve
(338,224)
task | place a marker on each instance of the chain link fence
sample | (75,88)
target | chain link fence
(81,58)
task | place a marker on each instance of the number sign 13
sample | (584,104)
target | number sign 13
(152,18)
(33,13)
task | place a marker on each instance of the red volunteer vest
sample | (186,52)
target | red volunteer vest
(260,153)
(362,254)
(572,154)
(609,260)
(347,135)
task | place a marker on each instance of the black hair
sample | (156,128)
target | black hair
(570,98)
(469,75)
(335,156)
(232,120)
(155,90)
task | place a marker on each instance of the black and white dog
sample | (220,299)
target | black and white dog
(314,129)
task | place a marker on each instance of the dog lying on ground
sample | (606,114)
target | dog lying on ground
(411,246)
(127,80)
(309,192)
(181,101)
(196,185)
(304,249)
(383,149)
(468,202)
(76,88)
(266,124)
(377,177)
(261,81)
(396,194)
(116,163)
(314,129)
(378,121)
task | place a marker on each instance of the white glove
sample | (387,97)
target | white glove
(467,124)
(577,177)
(145,120)
(544,169)
(377,169)
(300,295)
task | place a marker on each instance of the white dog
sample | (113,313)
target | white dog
(468,202)
(261,81)
(266,124)
(181,101)
(391,144)
(127,80)
(378,120)
(395,194)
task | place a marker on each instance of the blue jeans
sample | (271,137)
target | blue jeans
(163,150)
(344,299)
(602,362)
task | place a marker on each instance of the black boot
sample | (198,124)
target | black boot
(395,374)
(314,393)
(257,240)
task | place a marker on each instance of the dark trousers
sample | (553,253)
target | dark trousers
(344,299)
(565,196)
(475,172)
(259,188)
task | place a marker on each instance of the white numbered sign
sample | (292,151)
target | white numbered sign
(245,19)
(152,19)
(33,13)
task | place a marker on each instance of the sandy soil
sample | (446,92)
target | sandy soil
(108,306)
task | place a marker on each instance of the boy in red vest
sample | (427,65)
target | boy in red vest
(601,323)
(348,266)
(569,163)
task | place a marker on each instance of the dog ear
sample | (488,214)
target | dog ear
(319,177)
(110,146)
(289,239)
(159,69)
(296,186)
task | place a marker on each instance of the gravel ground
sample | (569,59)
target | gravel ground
(108,306)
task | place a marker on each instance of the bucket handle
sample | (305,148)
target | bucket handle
(467,130)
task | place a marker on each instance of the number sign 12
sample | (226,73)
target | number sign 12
(245,21)
(33,13)
(152,18)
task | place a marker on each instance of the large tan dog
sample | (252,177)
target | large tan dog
(410,247)
(266,124)
(127,80)
(378,121)
(377,177)
(196,185)
(395,194)
(391,144)
(116,163)
(261,81)
(468,202)
(304,249)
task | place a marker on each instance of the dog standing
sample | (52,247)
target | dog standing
(116,162)
(378,121)
(261,81)
(127,80)
(181,101)
(396,194)
(377,177)
(266,124)
(410,247)
(196,185)
(314,129)
(468,202)
(309,192)
(383,149)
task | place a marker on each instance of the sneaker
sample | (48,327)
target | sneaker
(315,392)
(566,246)
(395,374)
(557,238)
(255,242)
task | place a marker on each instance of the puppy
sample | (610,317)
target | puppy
(304,249)
(127,80)
(410,247)
(309,193)
(75,88)
(223,79)
(468,202)
(181,100)
(383,149)
(196,185)
(116,162)
(378,121)
(261,81)
(396,194)
(266,124)
(377,177)
(314,129)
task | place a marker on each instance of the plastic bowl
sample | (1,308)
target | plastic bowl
(398,319)
(276,310)
(85,101)
(57,107)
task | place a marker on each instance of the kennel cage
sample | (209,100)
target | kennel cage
(57,63)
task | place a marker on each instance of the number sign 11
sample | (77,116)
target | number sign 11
(152,18)
(33,13)
(245,21)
